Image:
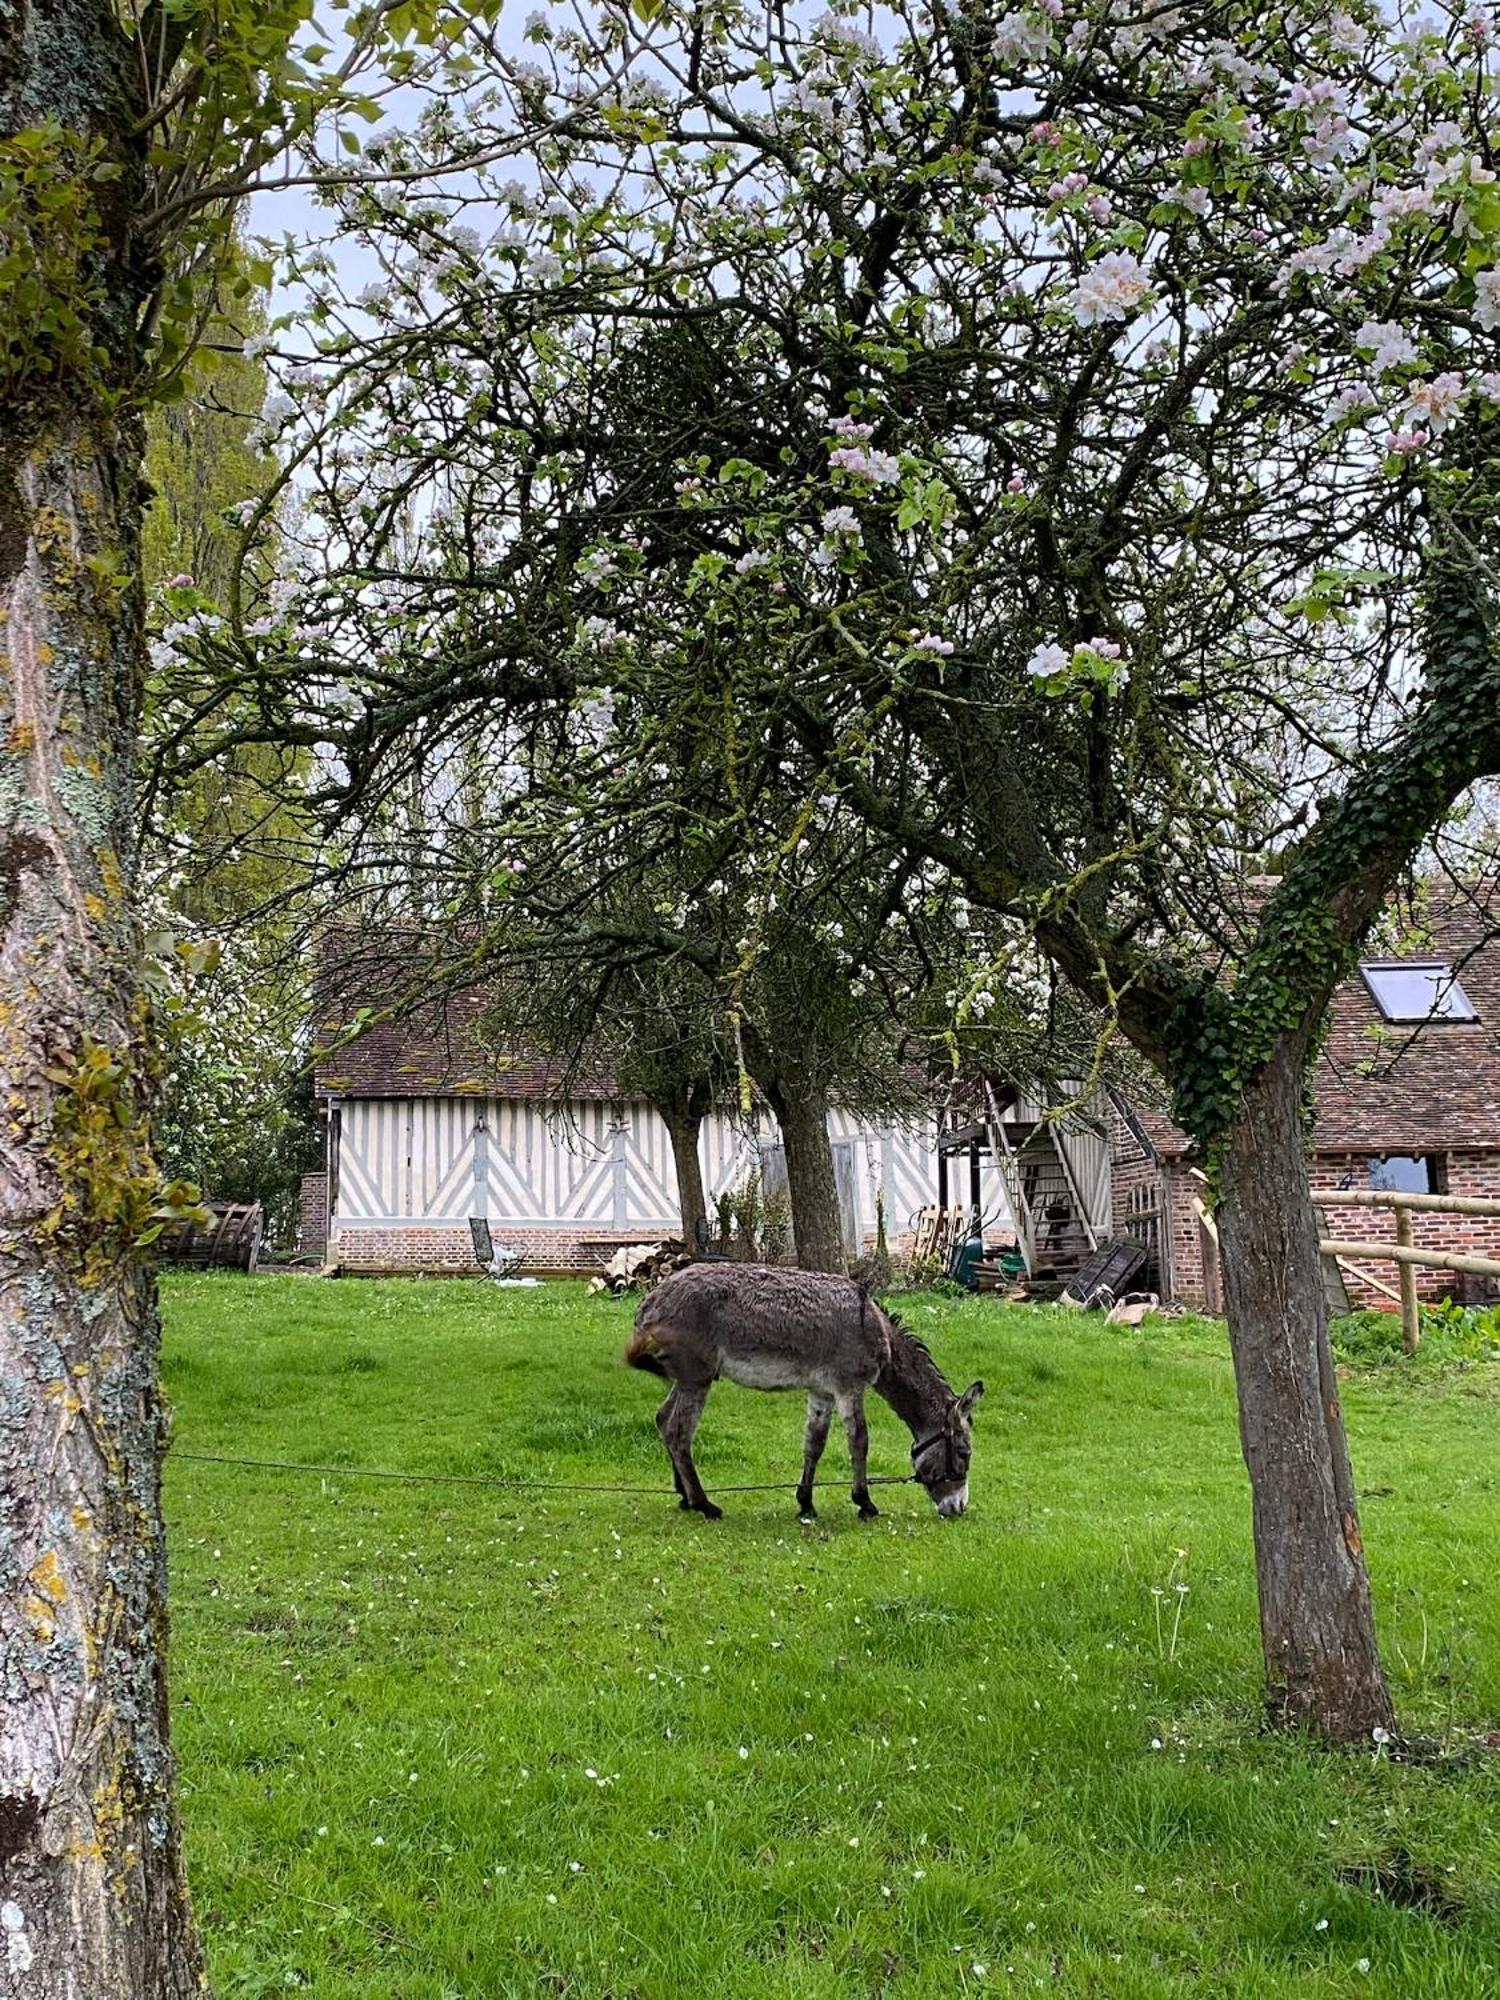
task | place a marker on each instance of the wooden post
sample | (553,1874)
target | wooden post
(1411,1323)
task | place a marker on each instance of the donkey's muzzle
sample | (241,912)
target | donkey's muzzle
(953,1504)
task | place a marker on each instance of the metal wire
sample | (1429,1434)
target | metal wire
(521,1482)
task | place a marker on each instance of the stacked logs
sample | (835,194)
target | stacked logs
(639,1266)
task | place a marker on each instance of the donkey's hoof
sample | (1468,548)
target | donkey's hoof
(685,1506)
(806,1511)
(710,1512)
(868,1511)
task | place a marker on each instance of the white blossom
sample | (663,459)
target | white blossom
(1109,289)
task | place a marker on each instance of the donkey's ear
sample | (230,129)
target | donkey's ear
(970,1397)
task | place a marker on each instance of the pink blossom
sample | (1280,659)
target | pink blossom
(183,582)
(1016,483)
(1403,443)
(1043,133)
(1191,148)
(1073,183)
(874,468)
(929,642)
(1105,648)
(1109,289)
(1099,208)
(851,427)
(1436,402)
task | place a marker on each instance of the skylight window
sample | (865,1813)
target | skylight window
(1414,991)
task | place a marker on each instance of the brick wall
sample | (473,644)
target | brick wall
(1172,1188)
(1472,1173)
(446,1248)
(312,1223)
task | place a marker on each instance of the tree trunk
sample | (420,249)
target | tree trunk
(1317,1625)
(92,1898)
(683,1127)
(812,1189)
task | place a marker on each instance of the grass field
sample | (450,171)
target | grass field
(443,1741)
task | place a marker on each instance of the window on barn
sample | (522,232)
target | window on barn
(1415,991)
(1404,1173)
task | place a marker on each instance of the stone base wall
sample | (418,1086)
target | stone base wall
(444,1247)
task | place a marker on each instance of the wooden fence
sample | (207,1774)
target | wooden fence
(1405,1253)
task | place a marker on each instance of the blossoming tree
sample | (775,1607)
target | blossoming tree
(1085,417)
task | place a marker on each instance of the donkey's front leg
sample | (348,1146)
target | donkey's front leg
(679,1423)
(819,1417)
(852,1410)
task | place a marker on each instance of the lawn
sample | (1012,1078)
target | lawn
(445,1740)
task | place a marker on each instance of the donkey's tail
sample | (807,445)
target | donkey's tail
(643,1352)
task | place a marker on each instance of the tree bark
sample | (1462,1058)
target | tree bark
(92,1897)
(1317,1624)
(812,1189)
(683,1127)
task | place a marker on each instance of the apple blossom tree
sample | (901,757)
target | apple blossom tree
(1082,418)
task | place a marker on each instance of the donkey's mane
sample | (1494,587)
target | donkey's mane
(912,1339)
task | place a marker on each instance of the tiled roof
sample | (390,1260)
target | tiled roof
(424,1047)
(1380,1088)
(1387,1089)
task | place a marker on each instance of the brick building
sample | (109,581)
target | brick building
(1406,1096)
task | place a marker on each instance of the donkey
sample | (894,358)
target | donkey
(778,1329)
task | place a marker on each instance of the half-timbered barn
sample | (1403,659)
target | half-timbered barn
(425,1129)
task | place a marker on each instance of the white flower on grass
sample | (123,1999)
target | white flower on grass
(1109,289)
(743,1751)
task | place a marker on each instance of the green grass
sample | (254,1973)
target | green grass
(440,1741)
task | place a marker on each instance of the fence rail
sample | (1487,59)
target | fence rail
(1406,1253)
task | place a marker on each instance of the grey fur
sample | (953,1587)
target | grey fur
(777,1329)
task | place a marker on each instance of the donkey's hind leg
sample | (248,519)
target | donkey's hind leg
(852,1410)
(679,1424)
(819,1417)
(663,1419)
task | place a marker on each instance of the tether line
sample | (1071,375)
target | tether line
(520,1483)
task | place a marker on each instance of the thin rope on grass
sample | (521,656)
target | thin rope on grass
(521,1482)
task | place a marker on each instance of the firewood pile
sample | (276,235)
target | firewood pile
(639,1266)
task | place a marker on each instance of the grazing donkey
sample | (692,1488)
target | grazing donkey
(776,1329)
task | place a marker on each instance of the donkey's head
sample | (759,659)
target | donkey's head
(940,1458)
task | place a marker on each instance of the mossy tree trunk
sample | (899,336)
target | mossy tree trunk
(1317,1624)
(92,1899)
